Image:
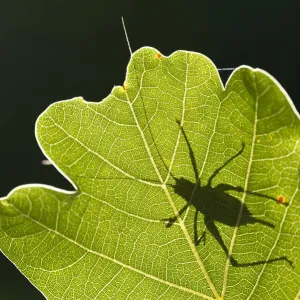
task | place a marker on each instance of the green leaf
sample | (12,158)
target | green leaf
(178,188)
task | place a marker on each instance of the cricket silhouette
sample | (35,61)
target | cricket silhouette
(216,205)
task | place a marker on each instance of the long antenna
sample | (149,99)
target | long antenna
(226,69)
(126,36)
(127,39)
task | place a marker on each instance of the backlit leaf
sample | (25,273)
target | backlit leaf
(182,189)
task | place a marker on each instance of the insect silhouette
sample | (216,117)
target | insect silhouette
(216,205)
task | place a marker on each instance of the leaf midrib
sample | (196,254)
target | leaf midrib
(180,221)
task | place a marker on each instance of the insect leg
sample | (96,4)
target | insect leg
(172,220)
(197,239)
(213,229)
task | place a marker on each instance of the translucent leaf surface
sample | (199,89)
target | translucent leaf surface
(183,189)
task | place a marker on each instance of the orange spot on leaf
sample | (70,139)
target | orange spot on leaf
(280,199)
(158,55)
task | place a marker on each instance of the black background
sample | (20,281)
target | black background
(55,50)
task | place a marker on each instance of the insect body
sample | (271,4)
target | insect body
(216,205)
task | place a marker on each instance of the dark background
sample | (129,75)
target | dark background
(55,50)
